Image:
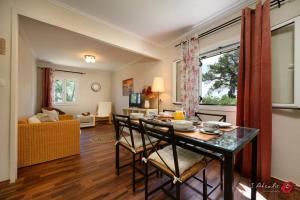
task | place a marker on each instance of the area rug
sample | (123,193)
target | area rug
(103,139)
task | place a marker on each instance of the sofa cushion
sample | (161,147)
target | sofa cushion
(56,109)
(33,120)
(43,117)
(53,115)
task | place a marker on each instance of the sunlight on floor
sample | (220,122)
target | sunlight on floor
(246,192)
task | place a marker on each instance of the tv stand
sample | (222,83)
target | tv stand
(146,111)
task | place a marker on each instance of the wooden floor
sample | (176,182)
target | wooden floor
(91,175)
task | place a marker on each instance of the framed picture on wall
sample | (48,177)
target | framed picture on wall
(127,86)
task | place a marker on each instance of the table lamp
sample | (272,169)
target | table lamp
(158,86)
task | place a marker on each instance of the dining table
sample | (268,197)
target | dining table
(227,144)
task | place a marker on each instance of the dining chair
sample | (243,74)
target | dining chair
(200,114)
(214,155)
(177,163)
(129,137)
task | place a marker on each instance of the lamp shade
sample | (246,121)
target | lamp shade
(158,84)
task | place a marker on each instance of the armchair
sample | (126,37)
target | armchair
(104,111)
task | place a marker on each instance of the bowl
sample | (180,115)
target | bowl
(181,124)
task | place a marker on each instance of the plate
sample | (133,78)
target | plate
(189,129)
(216,132)
(221,124)
(224,124)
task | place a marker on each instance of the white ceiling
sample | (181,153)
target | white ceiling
(63,47)
(158,21)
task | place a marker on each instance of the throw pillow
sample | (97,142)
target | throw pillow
(53,115)
(43,117)
(33,120)
(58,110)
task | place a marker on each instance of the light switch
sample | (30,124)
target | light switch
(2,46)
(2,82)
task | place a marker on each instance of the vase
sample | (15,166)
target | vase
(147,104)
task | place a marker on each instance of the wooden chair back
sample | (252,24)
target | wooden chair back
(123,127)
(162,132)
(221,118)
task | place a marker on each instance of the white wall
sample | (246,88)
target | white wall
(87,99)
(27,78)
(142,73)
(286,126)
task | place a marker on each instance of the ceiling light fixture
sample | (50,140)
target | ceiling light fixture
(90,59)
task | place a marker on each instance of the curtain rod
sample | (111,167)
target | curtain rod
(74,72)
(273,3)
(236,44)
(60,70)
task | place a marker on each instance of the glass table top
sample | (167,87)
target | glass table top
(230,141)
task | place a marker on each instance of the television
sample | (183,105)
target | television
(135,100)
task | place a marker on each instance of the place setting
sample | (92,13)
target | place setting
(216,127)
(193,127)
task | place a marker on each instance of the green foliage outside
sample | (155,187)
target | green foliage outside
(224,100)
(223,75)
(70,91)
(58,91)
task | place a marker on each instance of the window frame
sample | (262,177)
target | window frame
(296,22)
(174,82)
(209,51)
(64,81)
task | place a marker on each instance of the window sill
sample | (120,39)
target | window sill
(217,108)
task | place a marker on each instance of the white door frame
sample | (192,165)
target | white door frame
(13,136)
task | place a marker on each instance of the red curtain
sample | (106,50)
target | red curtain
(254,100)
(47,82)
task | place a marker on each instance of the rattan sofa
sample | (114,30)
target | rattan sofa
(47,141)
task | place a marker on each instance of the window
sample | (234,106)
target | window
(218,76)
(219,70)
(285,64)
(65,91)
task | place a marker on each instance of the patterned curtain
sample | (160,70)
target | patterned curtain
(190,76)
(47,82)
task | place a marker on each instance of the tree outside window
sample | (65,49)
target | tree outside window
(219,78)
(65,91)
